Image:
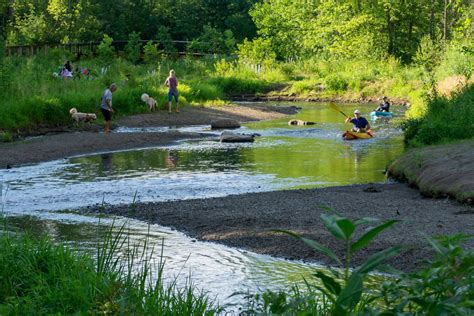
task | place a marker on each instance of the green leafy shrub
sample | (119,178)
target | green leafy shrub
(151,53)
(5,137)
(336,83)
(105,49)
(444,120)
(133,47)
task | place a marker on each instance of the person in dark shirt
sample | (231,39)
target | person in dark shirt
(384,107)
(361,125)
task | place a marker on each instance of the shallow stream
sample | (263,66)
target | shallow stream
(42,197)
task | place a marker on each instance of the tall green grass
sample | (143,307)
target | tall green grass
(446,119)
(39,277)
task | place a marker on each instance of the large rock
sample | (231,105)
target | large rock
(228,137)
(225,123)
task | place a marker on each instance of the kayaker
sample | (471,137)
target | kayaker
(385,106)
(361,125)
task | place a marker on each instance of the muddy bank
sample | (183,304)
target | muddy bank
(439,171)
(246,221)
(62,143)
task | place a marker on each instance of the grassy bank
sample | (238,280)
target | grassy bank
(445,119)
(33,98)
(39,277)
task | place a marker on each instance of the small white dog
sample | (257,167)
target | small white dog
(149,101)
(82,117)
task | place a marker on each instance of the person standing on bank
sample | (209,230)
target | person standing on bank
(106,106)
(172,84)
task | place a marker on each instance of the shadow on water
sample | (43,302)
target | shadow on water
(284,157)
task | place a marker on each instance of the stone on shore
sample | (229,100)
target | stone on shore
(225,123)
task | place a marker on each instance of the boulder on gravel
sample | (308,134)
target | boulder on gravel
(225,123)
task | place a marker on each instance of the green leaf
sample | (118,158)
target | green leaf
(350,295)
(365,220)
(313,244)
(330,283)
(371,234)
(377,258)
(330,221)
(346,226)
(440,249)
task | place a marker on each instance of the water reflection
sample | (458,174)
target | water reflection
(220,270)
(107,163)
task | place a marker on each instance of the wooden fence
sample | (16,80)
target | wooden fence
(90,48)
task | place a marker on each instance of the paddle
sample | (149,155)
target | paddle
(335,107)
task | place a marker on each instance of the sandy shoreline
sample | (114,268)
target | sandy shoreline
(245,221)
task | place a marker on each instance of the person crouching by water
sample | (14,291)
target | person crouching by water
(172,84)
(106,106)
(384,107)
(361,125)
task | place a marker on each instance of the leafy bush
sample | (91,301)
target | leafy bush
(445,120)
(256,52)
(5,137)
(212,41)
(133,47)
(150,52)
(105,49)
(336,83)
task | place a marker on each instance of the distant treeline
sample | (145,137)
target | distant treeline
(275,29)
(28,22)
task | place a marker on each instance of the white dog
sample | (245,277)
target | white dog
(149,101)
(82,117)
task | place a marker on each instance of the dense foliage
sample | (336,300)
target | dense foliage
(54,21)
(446,119)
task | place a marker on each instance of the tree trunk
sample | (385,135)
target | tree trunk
(390,28)
(432,21)
(445,20)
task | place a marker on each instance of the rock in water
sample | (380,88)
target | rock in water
(228,137)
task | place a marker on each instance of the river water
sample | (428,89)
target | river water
(43,197)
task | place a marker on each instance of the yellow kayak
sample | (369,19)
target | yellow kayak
(349,135)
